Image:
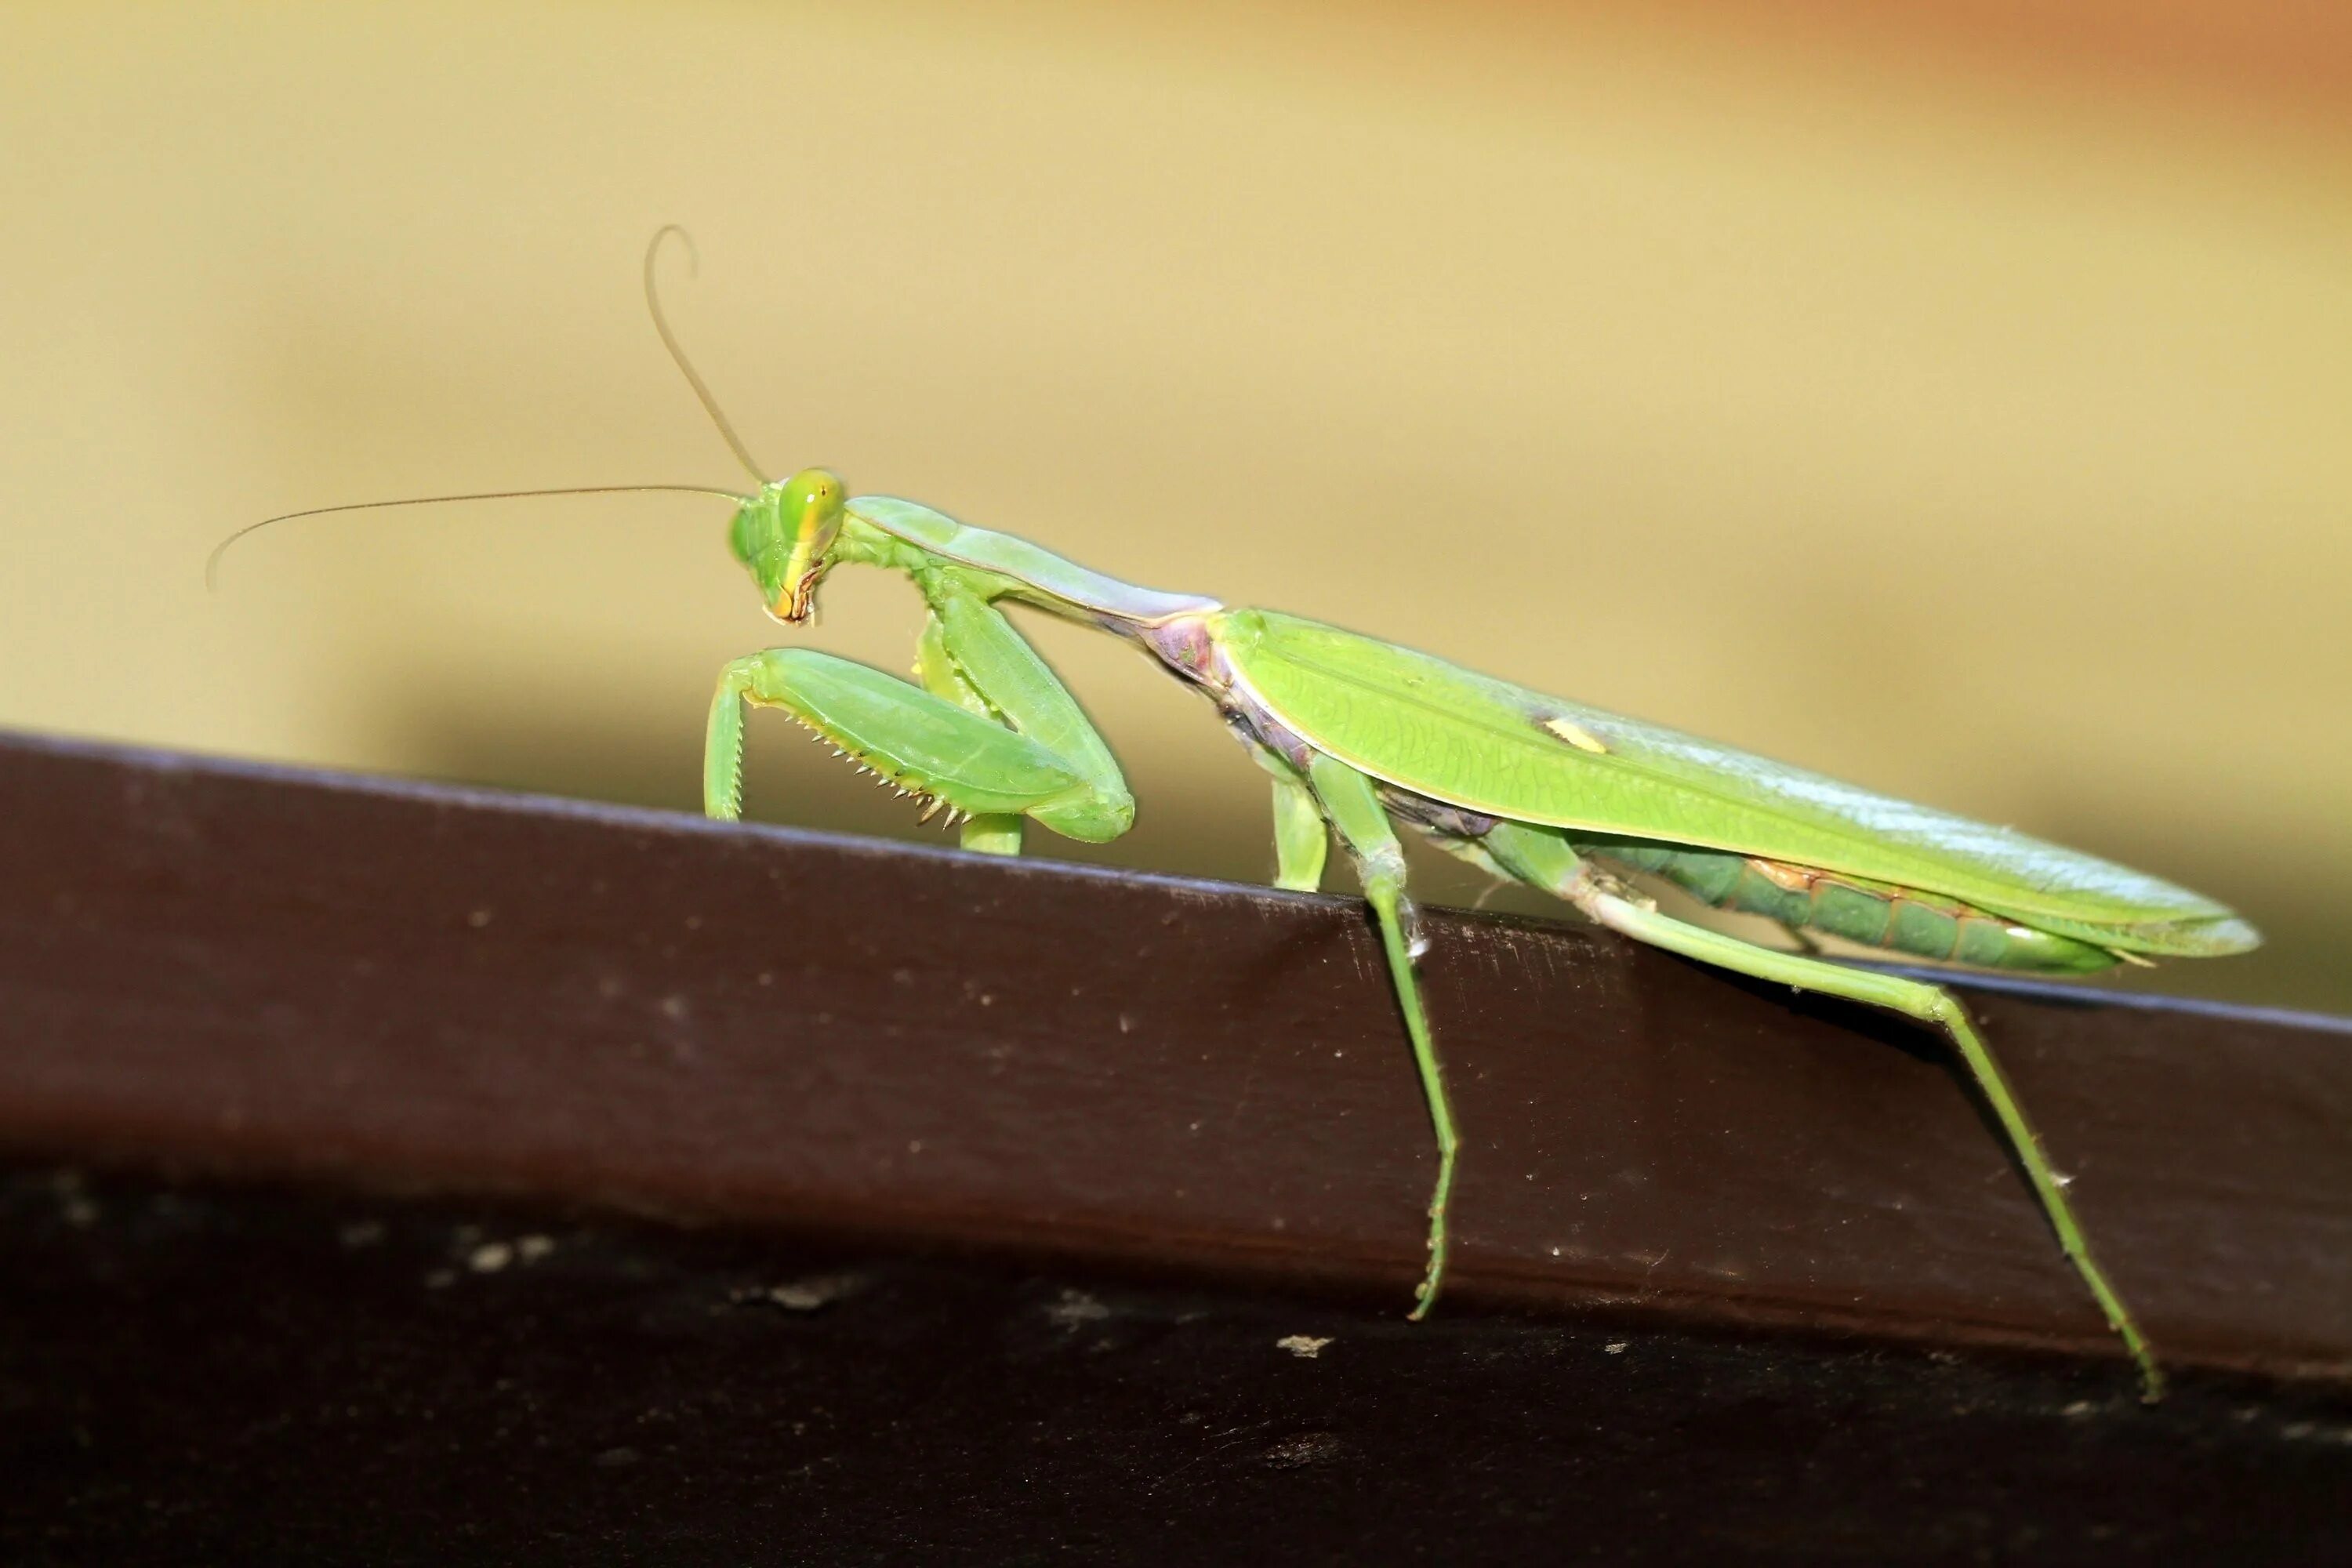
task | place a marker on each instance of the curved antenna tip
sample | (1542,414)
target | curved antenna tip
(693,258)
(677,352)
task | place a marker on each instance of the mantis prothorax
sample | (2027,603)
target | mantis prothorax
(1364,738)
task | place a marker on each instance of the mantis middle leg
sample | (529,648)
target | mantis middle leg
(1355,812)
(1301,838)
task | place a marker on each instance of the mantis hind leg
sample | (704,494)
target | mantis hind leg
(1543,859)
(1363,826)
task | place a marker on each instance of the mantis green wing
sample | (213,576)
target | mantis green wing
(1485,745)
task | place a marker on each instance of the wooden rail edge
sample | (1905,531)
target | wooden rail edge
(261,970)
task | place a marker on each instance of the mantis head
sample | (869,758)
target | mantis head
(786,535)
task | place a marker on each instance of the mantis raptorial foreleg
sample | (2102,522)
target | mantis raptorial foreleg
(992,733)
(921,743)
(1542,858)
(972,655)
(1355,814)
(993,834)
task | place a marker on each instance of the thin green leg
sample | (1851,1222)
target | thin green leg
(1353,809)
(1930,1004)
(1542,858)
(1301,840)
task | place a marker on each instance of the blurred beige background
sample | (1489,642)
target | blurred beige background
(1958,410)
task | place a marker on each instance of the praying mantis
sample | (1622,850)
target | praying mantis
(1364,739)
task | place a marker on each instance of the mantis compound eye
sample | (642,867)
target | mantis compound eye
(809,511)
(812,500)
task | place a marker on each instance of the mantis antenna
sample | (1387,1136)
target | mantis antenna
(678,355)
(212,562)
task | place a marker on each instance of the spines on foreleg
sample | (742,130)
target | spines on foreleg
(918,744)
(722,748)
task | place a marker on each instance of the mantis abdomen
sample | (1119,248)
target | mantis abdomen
(1853,908)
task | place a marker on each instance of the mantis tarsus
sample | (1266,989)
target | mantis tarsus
(1362,737)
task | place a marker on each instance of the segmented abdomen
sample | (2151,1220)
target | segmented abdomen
(1875,914)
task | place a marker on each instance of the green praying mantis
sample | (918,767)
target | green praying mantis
(1364,739)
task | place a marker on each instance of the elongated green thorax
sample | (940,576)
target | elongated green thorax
(791,534)
(1007,566)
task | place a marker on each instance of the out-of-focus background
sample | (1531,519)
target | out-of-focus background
(1961,403)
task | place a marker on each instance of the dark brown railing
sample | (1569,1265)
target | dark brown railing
(357,986)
